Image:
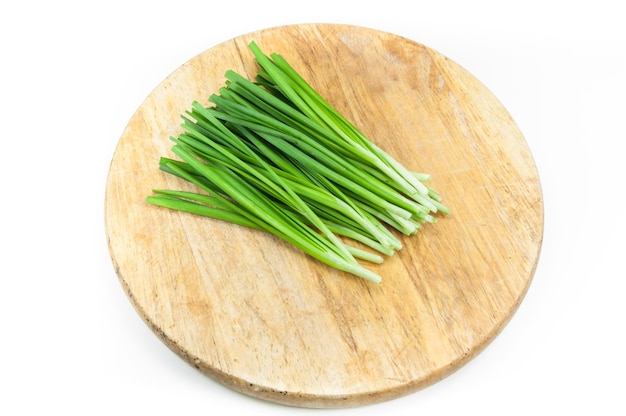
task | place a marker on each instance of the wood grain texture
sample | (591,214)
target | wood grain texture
(263,318)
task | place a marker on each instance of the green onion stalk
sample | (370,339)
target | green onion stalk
(273,155)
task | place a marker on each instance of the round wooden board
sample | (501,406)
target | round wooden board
(263,318)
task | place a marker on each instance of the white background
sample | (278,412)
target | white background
(73,73)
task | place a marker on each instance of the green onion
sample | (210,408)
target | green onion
(275,156)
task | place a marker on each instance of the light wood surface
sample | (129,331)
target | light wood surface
(260,316)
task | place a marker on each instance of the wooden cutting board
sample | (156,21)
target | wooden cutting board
(263,318)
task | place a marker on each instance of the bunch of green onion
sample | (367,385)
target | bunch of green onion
(273,155)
